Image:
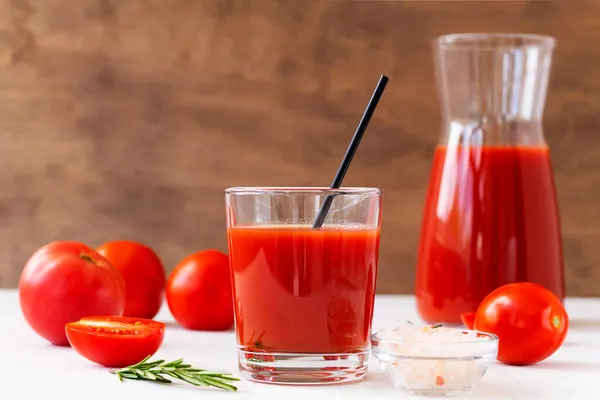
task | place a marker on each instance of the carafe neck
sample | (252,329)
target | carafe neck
(492,87)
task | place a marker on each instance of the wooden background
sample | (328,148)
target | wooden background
(127,119)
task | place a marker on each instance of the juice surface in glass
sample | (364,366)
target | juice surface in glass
(303,290)
(491,218)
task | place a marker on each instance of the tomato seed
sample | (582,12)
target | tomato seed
(114,331)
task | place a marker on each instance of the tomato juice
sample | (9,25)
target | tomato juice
(303,290)
(491,218)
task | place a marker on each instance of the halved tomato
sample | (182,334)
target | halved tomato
(115,341)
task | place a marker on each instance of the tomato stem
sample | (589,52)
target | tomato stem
(88,258)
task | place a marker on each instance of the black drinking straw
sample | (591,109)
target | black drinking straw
(358,134)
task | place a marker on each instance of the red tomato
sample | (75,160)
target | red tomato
(530,321)
(199,292)
(144,276)
(65,281)
(468,319)
(115,341)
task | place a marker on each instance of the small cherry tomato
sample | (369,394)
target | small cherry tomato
(199,292)
(144,276)
(65,281)
(115,341)
(529,320)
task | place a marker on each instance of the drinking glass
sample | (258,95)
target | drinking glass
(491,215)
(303,295)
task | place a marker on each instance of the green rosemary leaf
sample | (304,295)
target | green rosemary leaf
(190,379)
(149,375)
(219,384)
(162,379)
(140,363)
(171,374)
(229,378)
(174,363)
(138,372)
(128,375)
(153,364)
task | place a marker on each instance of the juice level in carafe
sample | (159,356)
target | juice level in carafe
(491,218)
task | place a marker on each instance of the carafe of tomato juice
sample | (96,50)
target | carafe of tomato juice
(491,215)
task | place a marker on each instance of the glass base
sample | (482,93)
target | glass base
(302,369)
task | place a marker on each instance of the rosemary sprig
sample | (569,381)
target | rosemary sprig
(159,370)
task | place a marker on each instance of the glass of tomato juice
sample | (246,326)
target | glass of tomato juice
(303,294)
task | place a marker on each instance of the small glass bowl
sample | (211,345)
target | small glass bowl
(435,368)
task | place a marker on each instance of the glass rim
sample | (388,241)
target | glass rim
(291,190)
(480,41)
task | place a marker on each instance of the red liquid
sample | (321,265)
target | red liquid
(303,290)
(491,218)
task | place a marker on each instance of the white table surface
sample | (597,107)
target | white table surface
(31,368)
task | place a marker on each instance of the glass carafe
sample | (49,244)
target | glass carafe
(491,214)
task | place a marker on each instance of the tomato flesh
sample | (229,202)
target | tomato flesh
(115,341)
